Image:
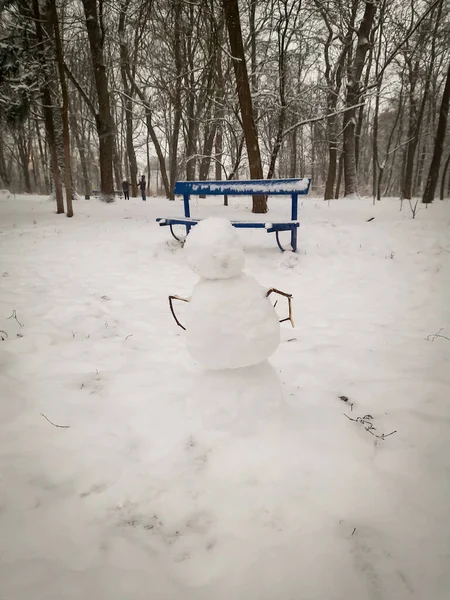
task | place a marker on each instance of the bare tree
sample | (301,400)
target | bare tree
(96,34)
(231,11)
(65,105)
(433,173)
(47,106)
(353,95)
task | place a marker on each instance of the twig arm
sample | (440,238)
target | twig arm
(289,299)
(171,299)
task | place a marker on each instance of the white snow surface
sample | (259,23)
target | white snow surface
(230,323)
(214,250)
(163,485)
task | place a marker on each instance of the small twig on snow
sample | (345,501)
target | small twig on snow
(366,422)
(130,335)
(3,333)
(433,336)
(54,424)
(345,399)
(14,316)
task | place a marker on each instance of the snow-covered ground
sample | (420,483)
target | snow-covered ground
(136,499)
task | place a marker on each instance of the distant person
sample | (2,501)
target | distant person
(142,187)
(126,189)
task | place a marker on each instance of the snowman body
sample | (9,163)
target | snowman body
(230,321)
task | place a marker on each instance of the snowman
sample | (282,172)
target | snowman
(233,418)
(231,325)
(231,322)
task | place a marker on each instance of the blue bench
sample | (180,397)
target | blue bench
(268,187)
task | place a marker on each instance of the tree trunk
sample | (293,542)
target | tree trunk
(339,175)
(444,175)
(376,180)
(333,145)
(87,188)
(293,154)
(253,55)
(43,157)
(117,165)
(191,127)
(131,154)
(433,173)
(24,158)
(190,138)
(47,108)
(352,98)
(334,81)
(3,171)
(416,123)
(65,107)
(360,120)
(128,102)
(283,45)
(207,151)
(104,122)
(177,108)
(231,11)
(149,166)
(162,162)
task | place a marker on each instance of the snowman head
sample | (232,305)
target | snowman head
(213,250)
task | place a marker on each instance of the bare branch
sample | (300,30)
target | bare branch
(14,316)
(54,424)
(433,336)
(321,118)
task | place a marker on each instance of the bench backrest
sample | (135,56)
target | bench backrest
(268,187)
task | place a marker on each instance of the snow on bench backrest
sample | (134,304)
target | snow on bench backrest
(254,186)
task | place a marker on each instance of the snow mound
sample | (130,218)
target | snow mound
(213,250)
(231,323)
(239,400)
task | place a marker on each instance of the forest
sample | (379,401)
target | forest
(354,94)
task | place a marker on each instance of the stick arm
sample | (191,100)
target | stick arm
(171,299)
(289,299)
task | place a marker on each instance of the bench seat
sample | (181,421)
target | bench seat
(270,227)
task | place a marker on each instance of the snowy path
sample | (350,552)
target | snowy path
(132,501)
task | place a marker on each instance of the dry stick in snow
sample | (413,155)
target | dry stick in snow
(366,422)
(54,424)
(14,316)
(3,333)
(433,336)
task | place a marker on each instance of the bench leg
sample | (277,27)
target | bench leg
(278,241)
(181,240)
(294,239)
